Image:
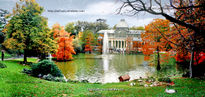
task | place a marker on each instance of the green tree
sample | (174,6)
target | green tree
(27,30)
(70,28)
(88,39)
(137,28)
(92,26)
(3,13)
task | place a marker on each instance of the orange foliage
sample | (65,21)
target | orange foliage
(89,42)
(99,44)
(64,40)
(152,37)
(137,45)
(194,16)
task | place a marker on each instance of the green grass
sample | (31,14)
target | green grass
(14,83)
(6,55)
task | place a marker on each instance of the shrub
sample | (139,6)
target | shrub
(45,67)
(168,80)
(27,71)
(59,79)
(2,65)
(49,77)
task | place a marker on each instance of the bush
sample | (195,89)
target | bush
(45,67)
(27,71)
(2,65)
(59,79)
(168,80)
(49,77)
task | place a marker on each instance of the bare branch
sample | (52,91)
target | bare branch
(184,7)
(164,35)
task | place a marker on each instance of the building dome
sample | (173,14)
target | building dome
(122,24)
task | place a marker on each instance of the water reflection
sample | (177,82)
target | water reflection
(105,68)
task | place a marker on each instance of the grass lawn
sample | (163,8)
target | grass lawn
(6,55)
(14,83)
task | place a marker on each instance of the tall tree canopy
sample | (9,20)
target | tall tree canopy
(70,28)
(3,13)
(154,40)
(28,30)
(65,46)
(188,18)
(163,8)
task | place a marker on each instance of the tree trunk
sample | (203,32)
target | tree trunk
(191,62)
(158,59)
(25,56)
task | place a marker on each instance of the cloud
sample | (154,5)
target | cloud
(101,8)
(10,0)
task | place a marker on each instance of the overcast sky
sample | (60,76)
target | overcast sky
(88,10)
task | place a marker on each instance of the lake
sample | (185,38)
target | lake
(107,68)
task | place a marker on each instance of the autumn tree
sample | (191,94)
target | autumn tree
(65,46)
(129,46)
(137,45)
(27,30)
(89,41)
(159,7)
(188,14)
(77,44)
(100,43)
(153,39)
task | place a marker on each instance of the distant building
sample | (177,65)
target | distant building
(122,37)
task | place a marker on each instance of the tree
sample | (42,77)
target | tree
(27,30)
(77,44)
(3,21)
(158,7)
(65,46)
(89,41)
(137,28)
(129,46)
(137,45)
(100,43)
(188,15)
(92,26)
(153,39)
(70,28)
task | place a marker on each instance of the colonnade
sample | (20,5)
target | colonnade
(118,44)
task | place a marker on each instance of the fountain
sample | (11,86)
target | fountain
(105,43)
(50,57)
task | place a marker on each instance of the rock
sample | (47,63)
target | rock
(39,75)
(132,84)
(170,91)
(85,81)
(141,84)
(124,78)
(66,80)
(145,85)
(155,83)
(139,80)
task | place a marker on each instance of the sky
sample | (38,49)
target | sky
(59,11)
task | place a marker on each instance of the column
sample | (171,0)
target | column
(111,43)
(114,44)
(121,44)
(124,45)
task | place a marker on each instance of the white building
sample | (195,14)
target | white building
(121,37)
